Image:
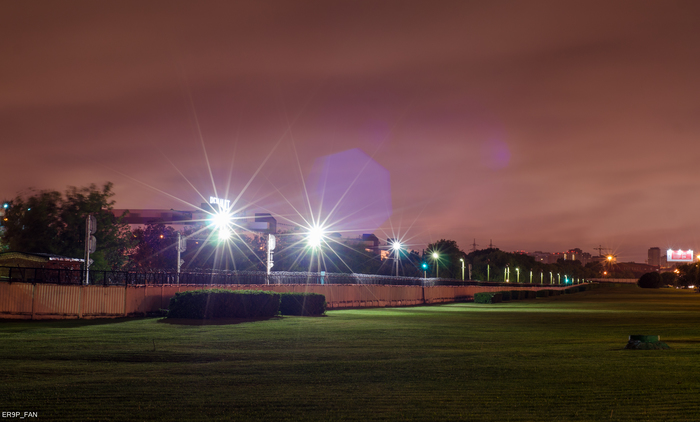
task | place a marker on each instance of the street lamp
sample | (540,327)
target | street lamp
(551,278)
(530,275)
(396,247)
(517,271)
(559,278)
(462,260)
(437,264)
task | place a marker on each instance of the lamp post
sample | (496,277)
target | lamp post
(396,247)
(551,278)
(437,264)
(517,271)
(462,260)
(559,278)
(530,275)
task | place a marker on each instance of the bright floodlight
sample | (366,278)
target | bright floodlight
(396,246)
(436,255)
(221,219)
(315,236)
(224,233)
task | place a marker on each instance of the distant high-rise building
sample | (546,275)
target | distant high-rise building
(577,254)
(654,256)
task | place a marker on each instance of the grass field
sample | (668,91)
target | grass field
(558,358)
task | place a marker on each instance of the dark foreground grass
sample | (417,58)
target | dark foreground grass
(558,358)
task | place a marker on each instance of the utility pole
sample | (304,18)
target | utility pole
(90,244)
(181,247)
(271,243)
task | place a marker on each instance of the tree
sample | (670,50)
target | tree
(156,247)
(49,222)
(668,279)
(689,274)
(448,258)
(650,281)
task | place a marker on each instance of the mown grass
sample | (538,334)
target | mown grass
(557,358)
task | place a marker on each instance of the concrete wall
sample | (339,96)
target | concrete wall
(51,301)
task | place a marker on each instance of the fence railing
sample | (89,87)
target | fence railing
(121,278)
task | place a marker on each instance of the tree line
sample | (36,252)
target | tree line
(54,222)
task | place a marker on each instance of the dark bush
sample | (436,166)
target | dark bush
(483,297)
(488,297)
(305,304)
(505,295)
(543,293)
(217,303)
(515,295)
(650,281)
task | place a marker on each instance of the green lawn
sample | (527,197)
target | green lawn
(558,358)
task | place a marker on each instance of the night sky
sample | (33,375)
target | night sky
(539,125)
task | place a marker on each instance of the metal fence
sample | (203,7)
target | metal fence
(121,278)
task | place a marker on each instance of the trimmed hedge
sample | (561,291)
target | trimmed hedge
(483,297)
(488,297)
(303,304)
(219,303)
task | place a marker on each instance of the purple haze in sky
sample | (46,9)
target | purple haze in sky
(350,192)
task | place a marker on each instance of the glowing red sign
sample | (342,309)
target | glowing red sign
(679,255)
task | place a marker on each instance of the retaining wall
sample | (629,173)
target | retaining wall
(52,301)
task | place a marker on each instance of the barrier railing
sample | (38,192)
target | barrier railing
(123,278)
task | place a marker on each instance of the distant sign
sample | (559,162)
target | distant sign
(679,255)
(224,204)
